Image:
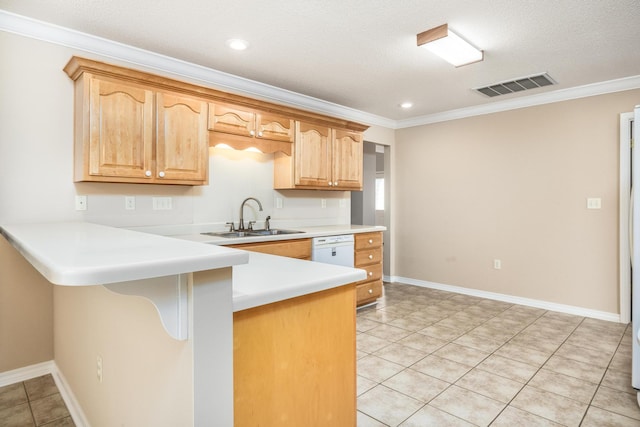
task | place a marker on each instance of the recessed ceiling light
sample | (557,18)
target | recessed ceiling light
(406,105)
(237,44)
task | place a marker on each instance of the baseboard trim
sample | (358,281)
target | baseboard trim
(76,412)
(44,368)
(26,373)
(552,306)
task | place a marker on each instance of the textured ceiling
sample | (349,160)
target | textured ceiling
(362,53)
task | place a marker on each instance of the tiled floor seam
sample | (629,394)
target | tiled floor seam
(536,373)
(602,379)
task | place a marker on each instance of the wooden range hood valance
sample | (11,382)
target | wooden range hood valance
(232,130)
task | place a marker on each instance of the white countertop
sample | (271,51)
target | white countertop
(307,232)
(78,253)
(269,278)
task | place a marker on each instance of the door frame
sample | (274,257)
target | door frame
(626,119)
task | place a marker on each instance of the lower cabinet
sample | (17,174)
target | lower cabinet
(295,361)
(368,256)
(299,248)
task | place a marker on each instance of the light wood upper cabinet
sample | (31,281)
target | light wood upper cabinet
(127,132)
(182,142)
(138,127)
(120,123)
(312,156)
(231,120)
(323,158)
(274,127)
(347,159)
(242,128)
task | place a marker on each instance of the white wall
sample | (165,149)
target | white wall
(36,155)
(233,176)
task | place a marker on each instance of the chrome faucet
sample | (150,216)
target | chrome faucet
(241,223)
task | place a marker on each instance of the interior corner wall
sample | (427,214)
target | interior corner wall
(513,186)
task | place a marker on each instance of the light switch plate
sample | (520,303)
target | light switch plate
(594,203)
(162,203)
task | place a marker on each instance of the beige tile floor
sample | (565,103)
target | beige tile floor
(35,402)
(433,358)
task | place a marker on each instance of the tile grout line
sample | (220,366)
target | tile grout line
(520,331)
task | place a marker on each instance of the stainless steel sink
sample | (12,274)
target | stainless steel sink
(250,233)
(228,234)
(272,232)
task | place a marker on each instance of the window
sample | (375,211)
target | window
(379,194)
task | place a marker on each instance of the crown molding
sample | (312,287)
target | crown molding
(51,33)
(611,86)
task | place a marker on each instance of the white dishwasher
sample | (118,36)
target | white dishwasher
(336,250)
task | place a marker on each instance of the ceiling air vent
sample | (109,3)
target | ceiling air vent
(517,85)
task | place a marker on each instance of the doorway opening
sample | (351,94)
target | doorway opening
(371,206)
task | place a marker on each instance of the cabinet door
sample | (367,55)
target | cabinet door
(120,129)
(274,127)
(347,160)
(224,118)
(312,155)
(182,143)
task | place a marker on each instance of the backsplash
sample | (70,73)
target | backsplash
(233,176)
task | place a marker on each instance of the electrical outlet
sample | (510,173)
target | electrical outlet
(497,264)
(278,202)
(81,203)
(130,203)
(323,203)
(99,368)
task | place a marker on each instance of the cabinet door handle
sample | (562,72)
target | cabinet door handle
(370,256)
(330,183)
(335,183)
(260,134)
(147,173)
(161,174)
(252,132)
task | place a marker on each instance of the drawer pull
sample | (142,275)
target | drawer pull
(370,241)
(370,291)
(370,256)
(371,273)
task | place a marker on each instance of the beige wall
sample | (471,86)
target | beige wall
(513,186)
(35,185)
(147,375)
(26,313)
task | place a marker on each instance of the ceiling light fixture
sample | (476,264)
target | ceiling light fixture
(237,44)
(449,46)
(406,105)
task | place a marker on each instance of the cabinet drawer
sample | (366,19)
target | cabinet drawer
(369,291)
(368,240)
(365,257)
(300,248)
(374,272)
